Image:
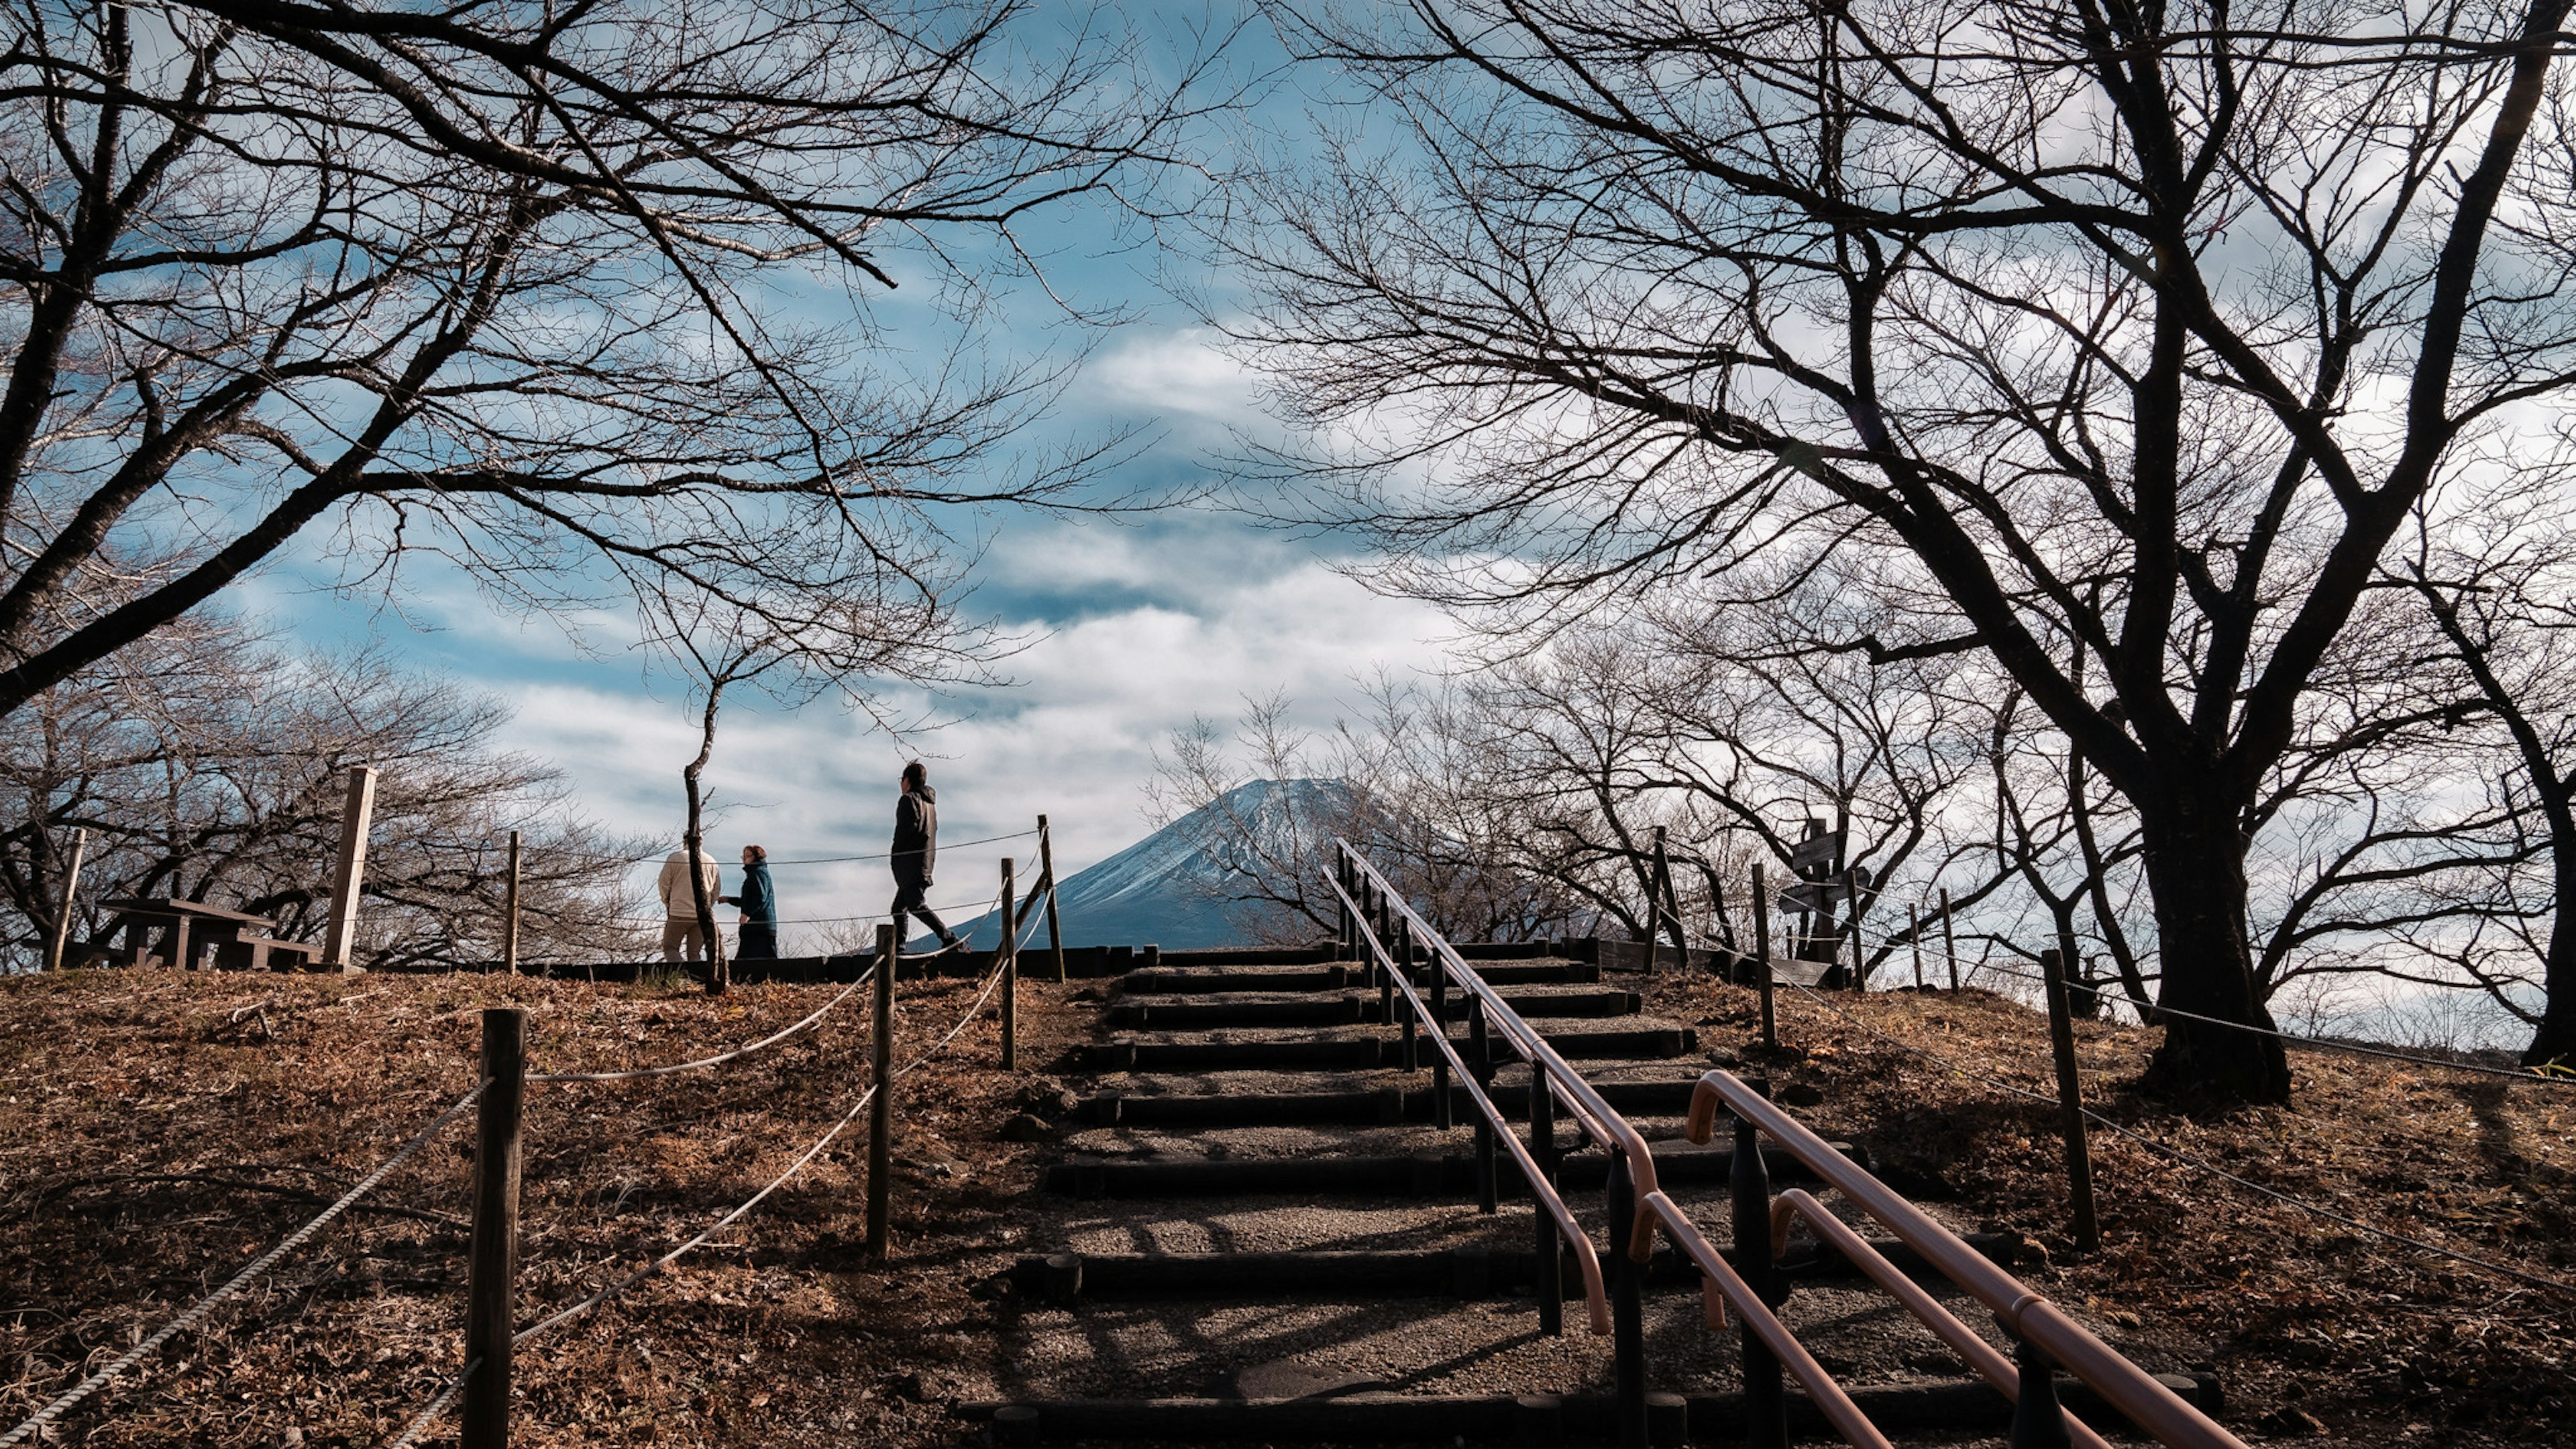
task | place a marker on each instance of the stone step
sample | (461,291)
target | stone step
(1361,1416)
(1388,1175)
(1379,1107)
(1361,1274)
(1361,1052)
(1349,1008)
(1168,980)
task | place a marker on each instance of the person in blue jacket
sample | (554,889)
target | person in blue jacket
(759,903)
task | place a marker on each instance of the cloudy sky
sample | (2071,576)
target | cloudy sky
(1132,628)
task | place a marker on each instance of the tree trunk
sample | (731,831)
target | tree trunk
(693,841)
(2555,1041)
(2195,860)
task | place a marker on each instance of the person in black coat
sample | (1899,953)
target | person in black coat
(916,852)
(759,903)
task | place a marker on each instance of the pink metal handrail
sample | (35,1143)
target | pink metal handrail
(1587,1259)
(1599,1120)
(1988,1361)
(1719,1277)
(2027,1316)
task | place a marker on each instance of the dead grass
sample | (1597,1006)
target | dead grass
(120,1083)
(125,1090)
(2299,1315)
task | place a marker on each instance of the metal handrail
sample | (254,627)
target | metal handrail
(1719,1276)
(1543,1192)
(1984,1357)
(2027,1316)
(1599,1120)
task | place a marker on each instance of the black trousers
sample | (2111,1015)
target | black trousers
(908,901)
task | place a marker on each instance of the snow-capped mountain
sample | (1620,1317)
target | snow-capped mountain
(1160,890)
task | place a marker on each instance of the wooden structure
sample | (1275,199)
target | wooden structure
(179,933)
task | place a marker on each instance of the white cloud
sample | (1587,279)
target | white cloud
(1074,740)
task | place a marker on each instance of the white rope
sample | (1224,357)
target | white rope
(718,1060)
(206,1305)
(556,1320)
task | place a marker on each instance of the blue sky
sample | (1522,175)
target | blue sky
(1132,626)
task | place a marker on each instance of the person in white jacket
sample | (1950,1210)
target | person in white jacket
(680,908)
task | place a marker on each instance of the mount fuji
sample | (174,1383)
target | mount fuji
(1168,888)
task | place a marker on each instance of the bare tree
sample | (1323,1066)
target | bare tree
(577,298)
(207,764)
(2501,598)
(2134,334)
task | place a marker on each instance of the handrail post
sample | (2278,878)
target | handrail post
(1762,958)
(493,1262)
(2070,1103)
(1627,1306)
(1766,1409)
(1914,938)
(510,914)
(1949,944)
(1655,890)
(2039,1420)
(1046,869)
(881,1111)
(1480,1062)
(1010,967)
(1851,905)
(1446,1114)
(1550,1278)
(1402,960)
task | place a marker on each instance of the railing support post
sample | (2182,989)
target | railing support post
(510,914)
(2039,1420)
(1851,904)
(1550,1280)
(1046,869)
(1480,1061)
(1402,960)
(881,1111)
(1766,1410)
(1762,960)
(1627,1307)
(1010,967)
(1445,1109)
(493,1261)
(1949,944)
(1914,938)
(2070,1103)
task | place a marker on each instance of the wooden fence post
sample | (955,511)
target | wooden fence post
(1654,900)
(1914,938)
(356,816)
(1762,958)
(63,912)
(510,913)
(2070,1101)
(1010,968)
(1949,944)
(1860,961)
(1046,872)
(881,1111)
(491,1287)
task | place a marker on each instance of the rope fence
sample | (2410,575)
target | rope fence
(37,1421)
(1028,919)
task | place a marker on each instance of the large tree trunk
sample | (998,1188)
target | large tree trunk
(2555,1041)
(2195,859)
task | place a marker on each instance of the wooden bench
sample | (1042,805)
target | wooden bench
(263,953)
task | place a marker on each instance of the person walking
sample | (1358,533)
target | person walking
(916,851)
(680,907)
(759,903)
